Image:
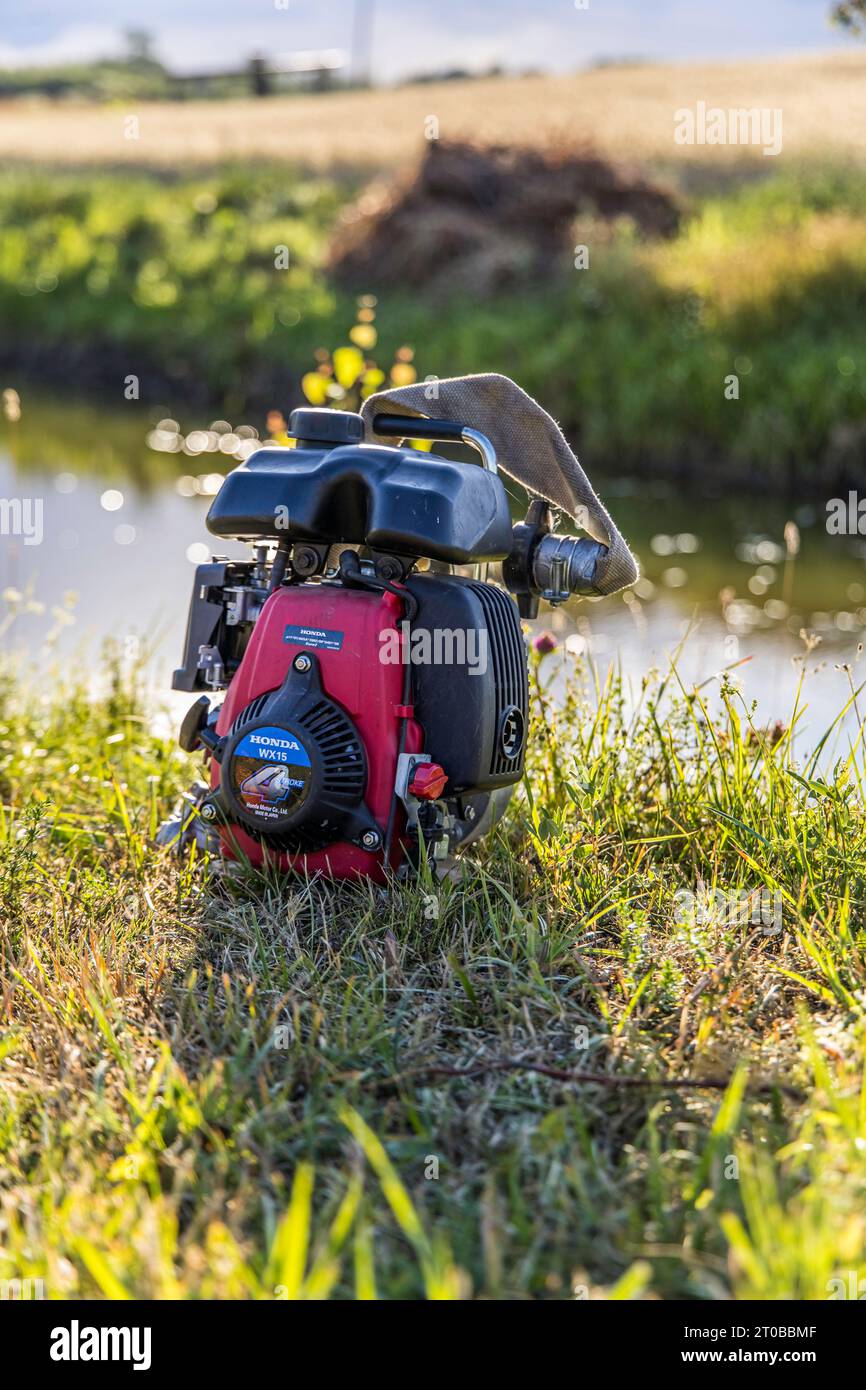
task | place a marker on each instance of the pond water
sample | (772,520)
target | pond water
(123,505)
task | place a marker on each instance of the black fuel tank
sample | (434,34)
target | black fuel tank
(398,500)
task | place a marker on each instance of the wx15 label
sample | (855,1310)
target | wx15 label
(270,773)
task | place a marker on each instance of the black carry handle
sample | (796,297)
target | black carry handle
(417,427)
(420,427)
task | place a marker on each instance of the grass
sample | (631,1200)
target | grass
(175,282)
(765,284)
(171,280)
(552,1079)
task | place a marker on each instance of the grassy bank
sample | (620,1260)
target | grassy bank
(738,346)
(174,280)
(563,1077)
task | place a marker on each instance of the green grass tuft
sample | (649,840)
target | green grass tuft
(552,1079)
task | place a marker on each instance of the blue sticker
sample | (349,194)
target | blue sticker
(270,773)
(314,637)
(272,746)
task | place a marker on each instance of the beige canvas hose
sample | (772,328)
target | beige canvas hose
(530,447)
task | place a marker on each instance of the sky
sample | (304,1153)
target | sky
(411,36)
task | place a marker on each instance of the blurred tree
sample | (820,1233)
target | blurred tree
(851,14)
(139,47)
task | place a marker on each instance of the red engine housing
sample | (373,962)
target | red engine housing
(353,676)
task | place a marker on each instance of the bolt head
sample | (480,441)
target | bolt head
(305,561)
(208,811)
(370,839)
(388,569)
(302,662)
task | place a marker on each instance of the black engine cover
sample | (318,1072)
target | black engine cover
(395,500)
(470,686)
(293,768)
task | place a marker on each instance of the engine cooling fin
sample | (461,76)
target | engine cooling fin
(294,768)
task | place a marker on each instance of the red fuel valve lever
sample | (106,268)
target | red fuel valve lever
(428,781)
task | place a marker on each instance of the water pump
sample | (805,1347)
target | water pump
(375,679)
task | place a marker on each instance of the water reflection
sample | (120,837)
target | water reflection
(125,492)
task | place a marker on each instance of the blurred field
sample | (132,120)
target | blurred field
(625,112)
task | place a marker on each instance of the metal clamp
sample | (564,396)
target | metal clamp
(482,445)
